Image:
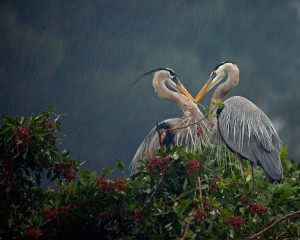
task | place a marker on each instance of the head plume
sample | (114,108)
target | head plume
(172,73)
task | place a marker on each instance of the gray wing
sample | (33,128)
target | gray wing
(248,131)
(185,135)
(151,141)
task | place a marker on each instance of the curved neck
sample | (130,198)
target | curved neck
(162,91)
(224,88)
(186,104)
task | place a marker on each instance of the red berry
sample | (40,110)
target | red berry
(200,215)
(192,166)
(137,215)
(32,233)
(212,186)
(235,221)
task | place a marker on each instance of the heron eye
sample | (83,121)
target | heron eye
(172,74)
(175,79)
(213,74)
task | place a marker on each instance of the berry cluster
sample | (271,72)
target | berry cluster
(69,175)
(208,206)
(49,125)
(212,186)
(23,133)
(32,233)
(67,172)
(49,213)
(155,161)
(200,215)
(111,185)
(137,215)
(62,210)
(192,166)
(235,221)
(255,208)
(23,137)
(160,162)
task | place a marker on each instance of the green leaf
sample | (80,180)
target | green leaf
(25,153)
(242,210)
(175,156)
(248,178)
(120,164)
(106,171)
(4,130)
(231,233)
(283,153)
(185,184)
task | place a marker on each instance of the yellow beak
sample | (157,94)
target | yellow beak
(208,85)
(182,89)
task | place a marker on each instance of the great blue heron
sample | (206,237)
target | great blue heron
(244,128)
(177,131)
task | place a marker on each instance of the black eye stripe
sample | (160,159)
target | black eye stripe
(172,73)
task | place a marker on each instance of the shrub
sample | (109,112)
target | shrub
(173,195)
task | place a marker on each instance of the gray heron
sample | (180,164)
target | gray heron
(176,131)
(242,126)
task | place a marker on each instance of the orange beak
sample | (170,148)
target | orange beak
(182,89)
(208,85)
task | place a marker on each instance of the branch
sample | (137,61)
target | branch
(159,135)
(187,226)
(147,202)
(210,179)
(273,224)
(200,191)
(191,124)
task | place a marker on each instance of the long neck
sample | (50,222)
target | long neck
(163,92)
(224,88)
(186,104)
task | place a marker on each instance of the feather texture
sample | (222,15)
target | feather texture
(179,130)
(248,131)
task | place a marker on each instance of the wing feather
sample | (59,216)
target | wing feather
(248,131)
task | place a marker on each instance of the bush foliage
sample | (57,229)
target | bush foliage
(173,195)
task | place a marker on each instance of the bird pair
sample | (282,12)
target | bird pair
(241,125)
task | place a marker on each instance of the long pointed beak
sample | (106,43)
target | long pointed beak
(208,85)
(182,89)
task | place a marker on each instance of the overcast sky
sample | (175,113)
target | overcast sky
(82,56)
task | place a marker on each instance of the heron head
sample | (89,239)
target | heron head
(169,76)
(219,72)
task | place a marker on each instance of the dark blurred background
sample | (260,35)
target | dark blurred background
(82,56)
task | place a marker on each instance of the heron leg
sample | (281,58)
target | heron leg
(241,164)
(252,174)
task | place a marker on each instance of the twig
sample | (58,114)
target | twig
(200,192)
(207,232)
(146,203)
(191,124)
(188,125)
(187,226)
(184,194)
(210,179)
(162,213)
(273,224)
(159,134)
